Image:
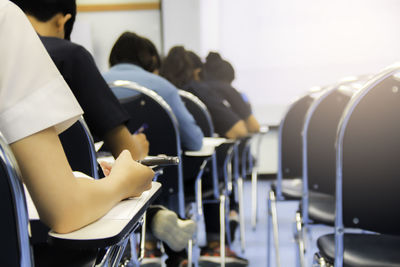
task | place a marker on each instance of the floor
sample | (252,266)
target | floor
(256,240)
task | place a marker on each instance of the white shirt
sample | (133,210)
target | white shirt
(33,94)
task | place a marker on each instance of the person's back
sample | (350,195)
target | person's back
(219,75)
(132,59)
(182,71)
(102,110)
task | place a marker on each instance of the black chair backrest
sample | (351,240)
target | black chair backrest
(14,245)
(290,140)
(162,133)
(320,130)
(199,112)
(79,148)
(368,156)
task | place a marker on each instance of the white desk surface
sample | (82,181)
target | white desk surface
(208,148)
(107,226)
(114,221)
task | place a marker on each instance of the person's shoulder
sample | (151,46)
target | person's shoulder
(64,48)
(161,83)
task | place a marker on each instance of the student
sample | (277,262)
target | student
(180,70)
(35,106)
(219,75)
(102,111)
(135,58)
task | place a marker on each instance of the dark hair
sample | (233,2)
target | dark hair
(44,10)
(216,68)
(197,63)
(134,49)
(196,60)
(177,67)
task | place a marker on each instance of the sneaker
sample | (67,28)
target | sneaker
(211,258)
(152,258)
(175,232)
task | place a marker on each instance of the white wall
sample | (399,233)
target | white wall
(98,31)
(281,48)
(181,24)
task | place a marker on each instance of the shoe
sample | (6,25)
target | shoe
(175,232)
(179,262)
(152,258)
(211,258)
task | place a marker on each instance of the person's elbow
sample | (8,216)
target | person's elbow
(195,140)
(252,124)
(238,130)
(61,222)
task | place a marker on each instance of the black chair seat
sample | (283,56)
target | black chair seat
(367,250)
(292,189)
(321,208)
(48,256)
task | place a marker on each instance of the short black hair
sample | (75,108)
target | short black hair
(135,49)
(177,67)
(216,68)
(44,10)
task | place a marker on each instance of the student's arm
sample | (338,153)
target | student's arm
(65,203)
(120,138)
(252,124)
(238,130)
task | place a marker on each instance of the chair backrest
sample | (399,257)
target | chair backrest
(14,246)
(368,152)
(367,169)
(79,148)
(163,135)
(319,137)
(290,141)
(199,111)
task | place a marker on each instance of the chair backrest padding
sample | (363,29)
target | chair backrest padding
(290,140)
(199,112)
(79,149)
(14,246)
(370,147)
(324,117)
(163,135)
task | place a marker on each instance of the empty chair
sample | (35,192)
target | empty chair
(319,135)
(367,183)
(288,184)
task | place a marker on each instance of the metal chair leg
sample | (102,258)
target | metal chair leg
(222,229)
(241,214)
(274,215)
(269,215)
(300,240)
(254,196)
(190,252)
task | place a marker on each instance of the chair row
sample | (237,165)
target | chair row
(338,150)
